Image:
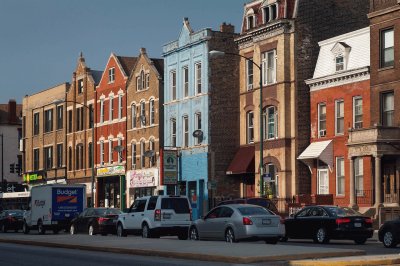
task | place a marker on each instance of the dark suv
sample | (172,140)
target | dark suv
(263,202)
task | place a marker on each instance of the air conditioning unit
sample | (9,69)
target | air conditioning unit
(322,133)
(134,167)
(21,145)
(249,87)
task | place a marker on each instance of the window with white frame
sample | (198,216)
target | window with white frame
(142,114)
(250,21)
(133,113)
(359,175)
(139,83)
(387,113)
(339,117)
(321,120)
(270,13)
(152,111)
(80,86)
(198,77)
(111,75)
(147,83)
(48,120)
(172,76)
(120,152)
(142,150)
(357,112)
(339,62)
(111,110)
(48,157)
(249,73)
(250,127)
(133,155)
(185,130)
(102,152)
(110,151)
(268,61)
(142,80)
(271,170)
(340,187)
(153,157)
(197,125)
(173,132)
(101,110)
(270,120)
(185,81)
(387,48)
(120,107)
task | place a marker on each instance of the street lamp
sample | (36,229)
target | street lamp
(215,53)
(93,141)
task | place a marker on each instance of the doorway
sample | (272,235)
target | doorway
(390,183)
(323,181)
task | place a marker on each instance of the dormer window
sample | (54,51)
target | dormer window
(340,53)
(270,13)
(339,63)
(111,75)
(250,19)
(80,86)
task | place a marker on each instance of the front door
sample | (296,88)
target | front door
(390,183)
(323,181)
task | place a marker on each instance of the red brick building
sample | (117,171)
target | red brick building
(340,102)
(111,131)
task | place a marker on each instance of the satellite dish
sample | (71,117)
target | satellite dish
(198,133)
(143,119)
(118,148)
(149,153)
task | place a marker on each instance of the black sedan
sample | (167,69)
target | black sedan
(389,233)
(322,223)
(96,221)
(11,220)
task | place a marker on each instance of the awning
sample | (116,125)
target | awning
(321,150)
(243,162)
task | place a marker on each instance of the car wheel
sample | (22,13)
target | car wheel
(41,229)
(120,231)
(145,231)
(183,235)
(193,234)
(91,230)
(3,228)
(230,236)
(25,228)
(321,236)
(389,240)
(72,230)
(360,241)
(272,240)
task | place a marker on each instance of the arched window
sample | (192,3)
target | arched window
(152,111)
(69,159)
(270,122)
(133,114)
(133,155)
(152,148)
(271,171)
(173,132)
(142,150)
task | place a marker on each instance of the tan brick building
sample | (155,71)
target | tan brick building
(144,127)
(44,138)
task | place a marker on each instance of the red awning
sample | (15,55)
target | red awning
(243,162)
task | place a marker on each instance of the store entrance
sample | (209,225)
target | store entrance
(109,194)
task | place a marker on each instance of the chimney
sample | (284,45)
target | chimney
(229,28)
(142,50)
(12,111)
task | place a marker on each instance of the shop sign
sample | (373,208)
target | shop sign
(170,167)
(32,177)
(142,178)
(113,170)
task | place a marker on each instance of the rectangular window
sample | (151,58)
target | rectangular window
(111,75)
(172,76)
(111,110)
(120,152)
(69,121)
(152,112)
(359,175)
(102,152)
(340,176)
(36,124)
(133,155)
(339,105)
(173,132)
(250,127)
(339,63)
(133,113)
(142,158)
(78,119)
(142,114)
(90,152)
(101,110)
(59,155)
(321,120)
(48,120)
(91,119)
(35,159)
(60,115)
(198,78)
(249,73)
(197,124)
(80,86)
(270,121)
(185,129)
(153,157)
(387,109)
(357,112)
(269,67)
(48,157)
(387,48)
(110,151)
(185,81)
(147,81)
(120,106)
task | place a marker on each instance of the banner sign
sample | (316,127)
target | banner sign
(113,170)
(142,178)
(170,167)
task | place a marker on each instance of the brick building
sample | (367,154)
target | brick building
(282,38)
(44,136)
(145,130)
(110,132)
(80,110)
(340,103)
(200,115)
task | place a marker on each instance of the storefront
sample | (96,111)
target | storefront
(111,187)
(141,183)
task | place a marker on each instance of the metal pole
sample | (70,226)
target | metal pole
(261,136)
(92,162)
(2,163)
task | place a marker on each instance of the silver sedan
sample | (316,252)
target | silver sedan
(236,222)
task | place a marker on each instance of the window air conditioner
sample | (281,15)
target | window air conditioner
(322,133)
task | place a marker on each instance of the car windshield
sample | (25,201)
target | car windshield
(343,211)
(107,211)
(254,211)
(16,213)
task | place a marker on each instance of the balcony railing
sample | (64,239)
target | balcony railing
(365,197)
(373,135)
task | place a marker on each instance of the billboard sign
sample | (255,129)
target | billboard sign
(170,161)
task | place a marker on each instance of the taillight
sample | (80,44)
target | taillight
(368,221)
(102,219)
(247,221)
(157,215)
(191,215)
(340,221)
(10,218)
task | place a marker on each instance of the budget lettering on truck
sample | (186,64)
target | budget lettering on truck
(53,207)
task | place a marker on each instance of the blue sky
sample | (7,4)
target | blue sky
(40,40)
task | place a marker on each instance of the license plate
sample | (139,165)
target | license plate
(266,221)
(166,216)
(357,224)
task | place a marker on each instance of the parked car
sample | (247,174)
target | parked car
(263,202)
(389,233)
(155,216)
(236,222)
(11,220)
(322,223)
(95,221)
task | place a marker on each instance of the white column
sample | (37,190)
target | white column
(352,186)
(378,178)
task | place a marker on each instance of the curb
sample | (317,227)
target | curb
(356,262)
(191,256)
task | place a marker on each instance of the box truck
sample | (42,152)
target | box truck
(53,206)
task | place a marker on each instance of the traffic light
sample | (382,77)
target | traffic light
(11,168)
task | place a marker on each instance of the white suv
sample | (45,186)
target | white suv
(155,216)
